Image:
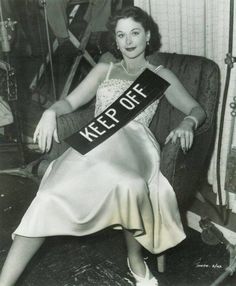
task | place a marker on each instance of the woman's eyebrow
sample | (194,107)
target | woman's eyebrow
(124,32)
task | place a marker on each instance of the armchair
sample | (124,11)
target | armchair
(200,76)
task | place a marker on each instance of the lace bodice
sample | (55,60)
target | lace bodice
(110,89)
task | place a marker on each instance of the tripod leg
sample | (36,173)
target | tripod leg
(18,132)
(221,278)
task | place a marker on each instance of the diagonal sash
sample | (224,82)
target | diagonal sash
(143,91)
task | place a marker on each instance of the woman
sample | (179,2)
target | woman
(121,175)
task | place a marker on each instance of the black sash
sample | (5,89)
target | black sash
(144,90)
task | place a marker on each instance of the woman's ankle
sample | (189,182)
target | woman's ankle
(3,283)
(137,265)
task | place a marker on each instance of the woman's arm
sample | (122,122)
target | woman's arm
(178,96)
(82,94)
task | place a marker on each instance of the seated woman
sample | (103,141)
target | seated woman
(118,184)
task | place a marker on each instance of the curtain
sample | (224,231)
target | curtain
(201,28)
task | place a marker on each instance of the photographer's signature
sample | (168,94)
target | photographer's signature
(199,264)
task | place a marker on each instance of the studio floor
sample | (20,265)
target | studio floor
(99,259)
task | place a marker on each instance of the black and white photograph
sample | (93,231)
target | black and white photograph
(117,142)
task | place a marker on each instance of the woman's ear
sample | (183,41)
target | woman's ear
(148,36)
(117,46)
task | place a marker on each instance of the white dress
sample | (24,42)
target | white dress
(118,184)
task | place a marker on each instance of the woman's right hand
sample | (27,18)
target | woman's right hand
(46,130)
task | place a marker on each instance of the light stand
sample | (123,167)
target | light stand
(10,89)
(44,5)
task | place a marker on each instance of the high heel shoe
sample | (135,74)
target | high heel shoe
(143,281)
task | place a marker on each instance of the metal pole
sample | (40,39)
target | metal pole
(3,32)
(229,271)
(43,2)
(229,62)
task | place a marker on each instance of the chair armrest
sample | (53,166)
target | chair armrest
(70,123)
(67,125)
(186,171)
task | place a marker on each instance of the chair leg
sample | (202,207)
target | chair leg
(161,261)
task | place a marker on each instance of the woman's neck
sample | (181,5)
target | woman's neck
(134,66)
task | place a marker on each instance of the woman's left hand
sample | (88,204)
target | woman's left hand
(185,133)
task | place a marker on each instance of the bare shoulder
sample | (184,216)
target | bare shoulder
(102,66)
(164,72)
(100,70)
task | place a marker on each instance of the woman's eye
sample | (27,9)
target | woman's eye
(135,33)
(120,36)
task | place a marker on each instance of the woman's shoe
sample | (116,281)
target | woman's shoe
(144,281)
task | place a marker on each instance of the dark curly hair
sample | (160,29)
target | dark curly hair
(140,16)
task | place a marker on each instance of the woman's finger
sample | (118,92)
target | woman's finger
(183,142)
(186,137)
(40,141)
(175,137)
(48,143)
(169,137)
(191,140)
(36,134)
(55,136)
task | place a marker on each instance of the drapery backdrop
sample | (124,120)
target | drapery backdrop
(201,28)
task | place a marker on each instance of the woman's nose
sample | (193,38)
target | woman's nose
(128,40)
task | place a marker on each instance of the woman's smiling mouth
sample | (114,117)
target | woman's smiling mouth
(130,49)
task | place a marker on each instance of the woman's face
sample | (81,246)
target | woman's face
(131,38)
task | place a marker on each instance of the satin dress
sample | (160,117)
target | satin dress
(118,184)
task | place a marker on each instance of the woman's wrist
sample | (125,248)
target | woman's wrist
(60,107)
(50,112)
(193,120)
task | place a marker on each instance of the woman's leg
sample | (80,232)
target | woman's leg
(21,251)
(135,256)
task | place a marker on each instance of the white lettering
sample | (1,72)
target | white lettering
(87,134)
(104,122)
(127,103)
(96,129)
(139,91)
(111,113)
(132,97)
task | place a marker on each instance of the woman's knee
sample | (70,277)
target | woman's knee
(134,184)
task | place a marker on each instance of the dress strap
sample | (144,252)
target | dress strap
(109,70)
(159,68)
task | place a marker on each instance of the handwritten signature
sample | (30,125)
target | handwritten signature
(199,264)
